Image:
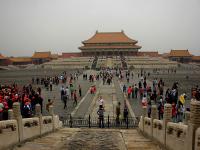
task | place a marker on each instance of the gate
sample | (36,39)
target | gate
(107,122)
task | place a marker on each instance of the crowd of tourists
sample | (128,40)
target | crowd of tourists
(155,92)
(30,95)
(26,95)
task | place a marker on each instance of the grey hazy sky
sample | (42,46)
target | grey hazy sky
(60,25)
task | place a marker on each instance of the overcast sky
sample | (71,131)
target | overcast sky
(60,25)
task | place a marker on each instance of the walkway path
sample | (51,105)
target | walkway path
(58,103)
(134,103)
(98,139)
(110,102)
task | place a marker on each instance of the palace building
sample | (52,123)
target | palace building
(109,44)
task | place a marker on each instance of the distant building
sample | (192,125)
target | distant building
(109,44)
(54,56)
(4,61)
(149,53)
(69,55)
(41,57)
(182,56)
(165,55)
(21,60)
(196,59)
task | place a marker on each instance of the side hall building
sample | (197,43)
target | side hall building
(109,44)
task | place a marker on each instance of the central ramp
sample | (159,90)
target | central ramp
(108,93)
(94,139)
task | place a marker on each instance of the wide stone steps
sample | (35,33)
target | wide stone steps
(83,139)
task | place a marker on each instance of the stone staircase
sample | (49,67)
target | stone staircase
(124,64)
(98,139)
(94,63)
(109,62)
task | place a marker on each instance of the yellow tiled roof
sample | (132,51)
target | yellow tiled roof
(42,55)
(110,37)
(179,53)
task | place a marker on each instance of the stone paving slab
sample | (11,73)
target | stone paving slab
(94,139)
(107,92)
(82,109)
(58,103)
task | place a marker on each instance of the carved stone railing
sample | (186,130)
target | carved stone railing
(158,129)
(174,136)
(21,129)
(8,133)
(31,128)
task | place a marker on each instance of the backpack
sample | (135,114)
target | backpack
(100,112)
(27,109)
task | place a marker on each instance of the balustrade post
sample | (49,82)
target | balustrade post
(89,121)
(193,124)
(39,115)
(154,115)
(166,118)
(17,115)
(51,112)
(144,114)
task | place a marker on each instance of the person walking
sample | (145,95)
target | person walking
(100,112)
(125,113)
(62,92)
(75,98)
(51,85)
(101,101)
(129,91)
(67,92)
(124,88)
(135,91)
(65,101)
(118,112)
(80,90)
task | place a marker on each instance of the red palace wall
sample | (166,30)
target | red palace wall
(68,55)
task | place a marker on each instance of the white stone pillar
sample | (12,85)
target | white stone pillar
(144,114)
(166,118)
(17,115)
(154,115)
(193,124)
(39,114)
(51,112)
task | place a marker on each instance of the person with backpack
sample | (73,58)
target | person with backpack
(27,109)
(100,112)
(125,113)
